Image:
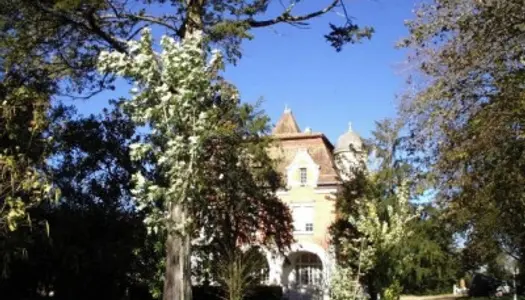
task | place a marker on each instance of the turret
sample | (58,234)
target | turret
(349,153)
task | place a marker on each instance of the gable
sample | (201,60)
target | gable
(285,150)
(302,160)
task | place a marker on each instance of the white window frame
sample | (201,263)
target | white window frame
(311,227)
(311,269)
(303,171)
(302,228)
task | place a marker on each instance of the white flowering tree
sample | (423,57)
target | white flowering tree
(375,245)
(207,178)
(173,95)
(374,222)
(345,285)
(380,234)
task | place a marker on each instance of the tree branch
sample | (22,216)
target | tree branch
(149,19)
(90,26)
(137,31)
(286,17)
(95,28)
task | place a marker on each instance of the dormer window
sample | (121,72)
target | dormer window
(303,175)
(302,170)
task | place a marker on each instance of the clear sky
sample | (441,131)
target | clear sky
(285,65)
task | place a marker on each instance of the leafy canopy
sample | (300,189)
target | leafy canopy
(465,112)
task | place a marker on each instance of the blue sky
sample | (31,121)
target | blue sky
(285,65)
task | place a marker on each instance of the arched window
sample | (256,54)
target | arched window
(308,269)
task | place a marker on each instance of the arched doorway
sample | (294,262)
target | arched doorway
(303,274)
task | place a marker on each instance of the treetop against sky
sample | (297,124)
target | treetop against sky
(285,65)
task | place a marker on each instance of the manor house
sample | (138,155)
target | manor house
(312,168)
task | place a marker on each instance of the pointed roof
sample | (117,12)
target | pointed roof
(286,124)
(289,140)
(317,146)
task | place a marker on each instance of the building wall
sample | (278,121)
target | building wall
(305,269)
(323,204)
(316,194)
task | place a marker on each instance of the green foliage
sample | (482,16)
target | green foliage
(61,39)
(200,136)
(174,95)
(465,114)
(208,176)
(345,285)
(393,291)
(91,249)
(24,147)
(434,263)
(51,48)
(406,249)
(349,33)
(375,216)
(238,271)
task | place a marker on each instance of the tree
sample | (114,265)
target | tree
(71,34)
(174,94)
(91,248)
(345,285)
(377,247)
(374,216)
(24,148)
(206,162)
(242,182)
(57,43)
(465,113)
(434,261)
(242,206)
(239,271)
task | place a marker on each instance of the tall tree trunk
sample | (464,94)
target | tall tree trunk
(177,281)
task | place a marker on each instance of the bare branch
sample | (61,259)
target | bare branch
(286,17)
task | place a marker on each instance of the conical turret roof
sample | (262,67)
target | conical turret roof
(286,124)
